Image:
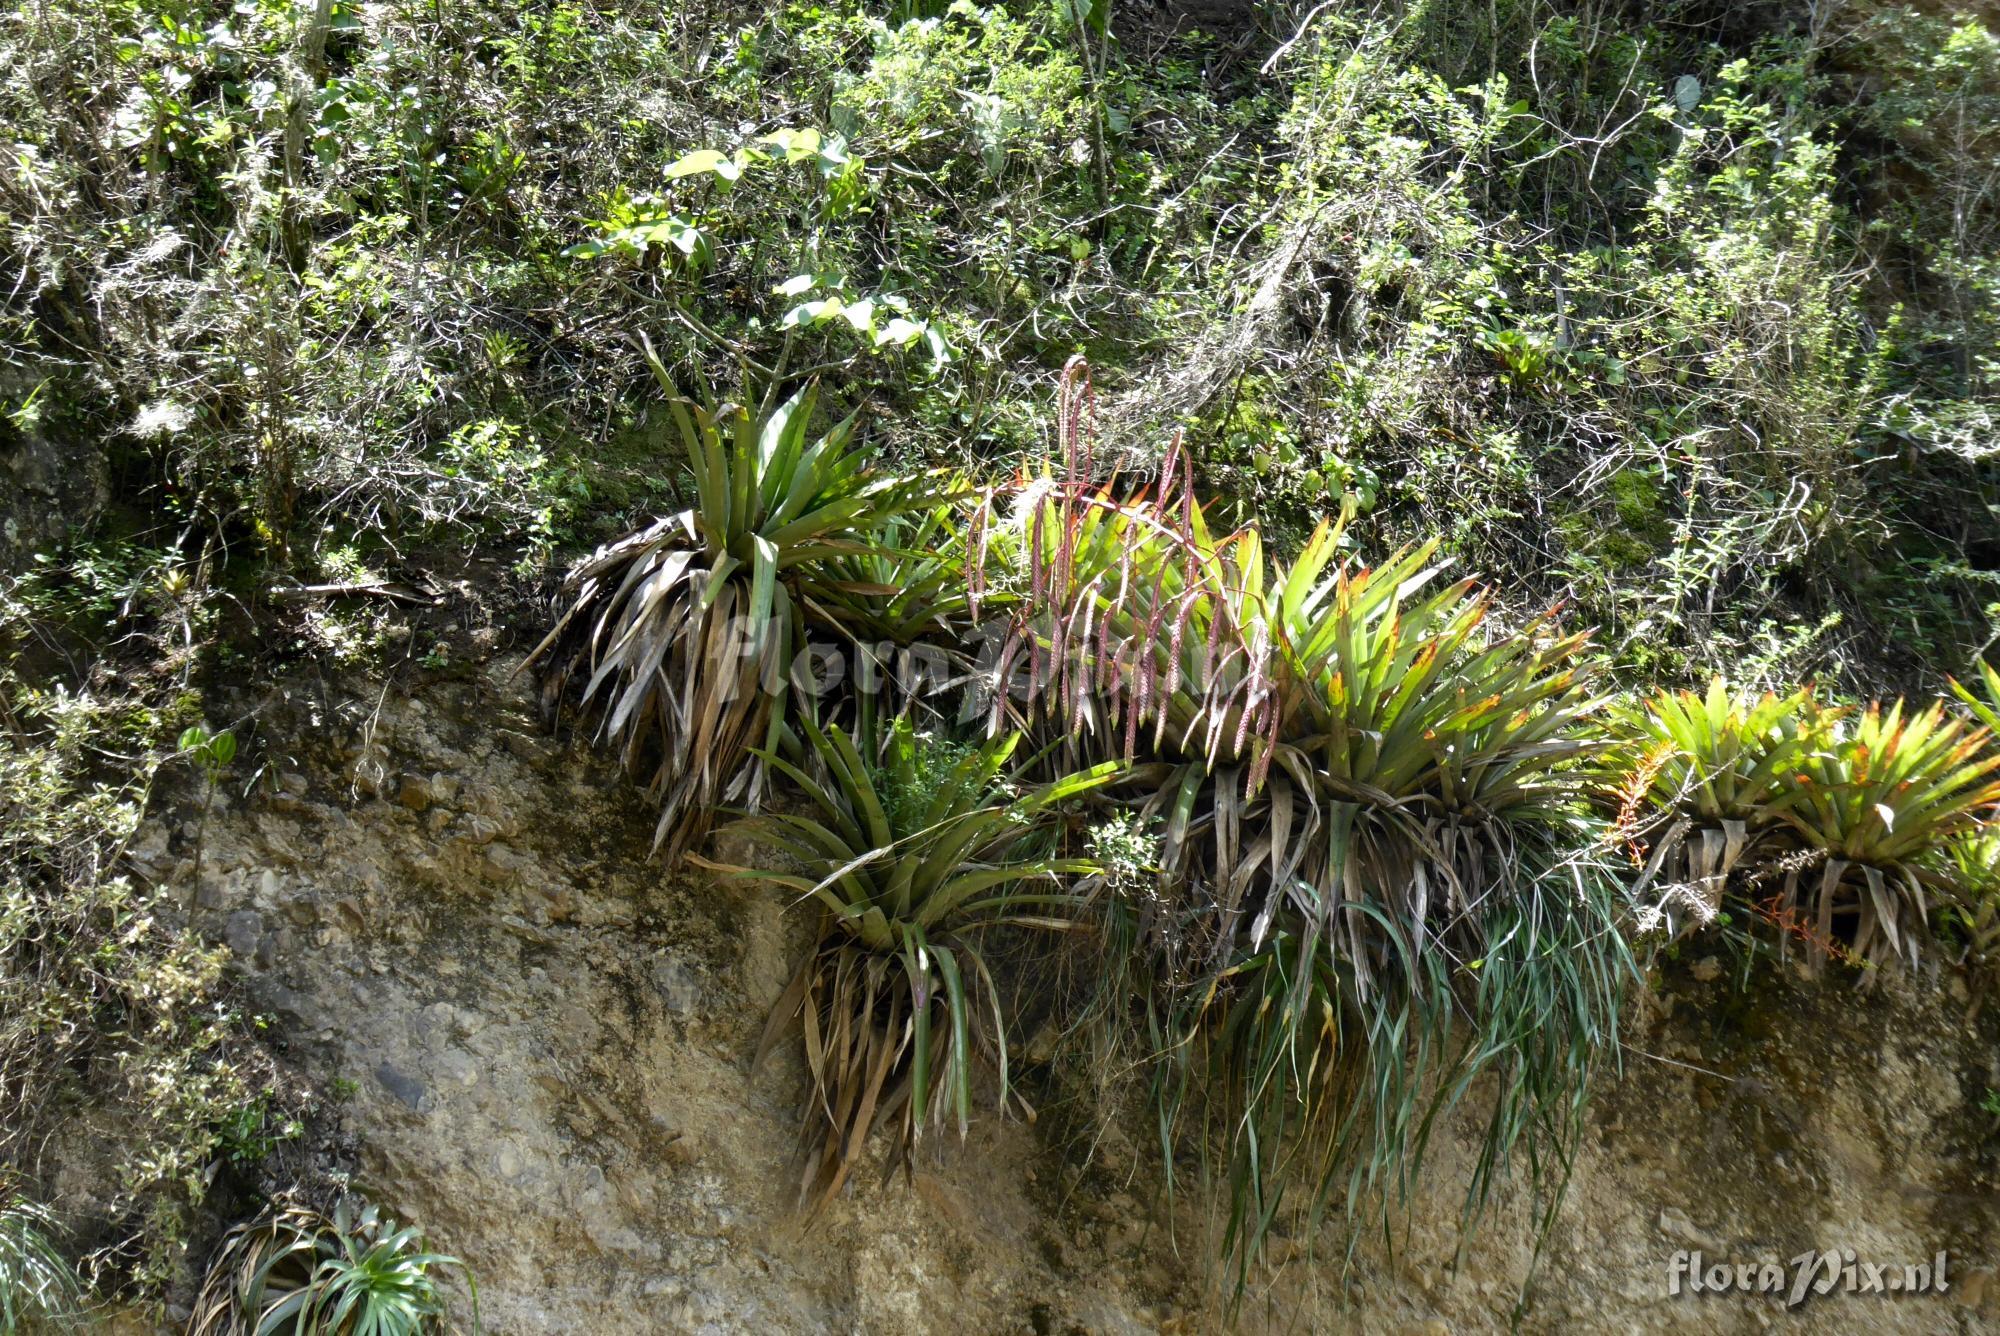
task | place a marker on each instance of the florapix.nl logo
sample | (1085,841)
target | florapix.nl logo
(1808,1275)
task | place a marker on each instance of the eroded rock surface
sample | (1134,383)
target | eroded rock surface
(536,1043)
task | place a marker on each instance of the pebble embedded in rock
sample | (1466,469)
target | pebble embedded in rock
(1675,1224)
(243,931)
(406,1088)
(414,793)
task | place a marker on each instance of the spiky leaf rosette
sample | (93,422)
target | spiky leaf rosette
(685,633)
(914,849)
(1355,731)
(1968,867)
(262,1272)
(1984,701)
(1354,776)
(1847,812)
(296,1270)
(1889,789)
(1379,840)
(1701,782)
(39,1291)
(893,626)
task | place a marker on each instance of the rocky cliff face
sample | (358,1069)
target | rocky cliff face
(533,1041)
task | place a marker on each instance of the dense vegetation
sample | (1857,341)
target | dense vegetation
(1675,320)
(1343,847)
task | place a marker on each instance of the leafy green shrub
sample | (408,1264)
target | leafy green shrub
(976,75)
(102,1002)
(298,1272)
(915,851)
(1937,111)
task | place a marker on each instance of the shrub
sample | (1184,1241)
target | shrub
(103,1002)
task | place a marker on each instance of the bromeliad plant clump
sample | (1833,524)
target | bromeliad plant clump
(1368,844)
(1893,786)
(1381,831)
(1854,814)
(1970,865)
(1719,771)
(912,860)
(296,1272)
(687,630)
